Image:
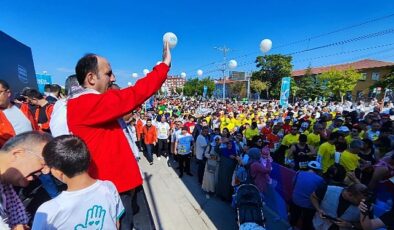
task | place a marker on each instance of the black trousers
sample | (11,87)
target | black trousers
(201,169)
(162,149)
(184,163)
(126,221)
(303,216)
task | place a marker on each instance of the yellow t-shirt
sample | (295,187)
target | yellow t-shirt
(249,121)
(326,155)
(250,133)
(349,160)
(290,139)
(313,140)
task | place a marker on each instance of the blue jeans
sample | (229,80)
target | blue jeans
(49,185)
(149,152)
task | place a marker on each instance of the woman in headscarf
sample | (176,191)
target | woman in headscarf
(227,165)
(260,167)
(210,178)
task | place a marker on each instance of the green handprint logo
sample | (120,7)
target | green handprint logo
(94,219)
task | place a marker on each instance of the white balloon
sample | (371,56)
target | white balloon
(171,39)
(232,64)
(158,63)
(145,71)
(265,45)
(129,83)
(135,75)
(199,72)
(183,74)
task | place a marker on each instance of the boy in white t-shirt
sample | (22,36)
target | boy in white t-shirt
(87,203)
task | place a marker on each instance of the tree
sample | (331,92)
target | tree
(258,86)
(339,82)
(310,86)
(272,69)
(238,89)
(196,87)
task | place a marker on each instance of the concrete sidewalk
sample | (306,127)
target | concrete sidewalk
(179,203)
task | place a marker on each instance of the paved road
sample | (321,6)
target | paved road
(179,203)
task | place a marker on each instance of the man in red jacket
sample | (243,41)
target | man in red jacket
(93,116)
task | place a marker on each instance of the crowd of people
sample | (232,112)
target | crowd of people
(84,149)
(343,153)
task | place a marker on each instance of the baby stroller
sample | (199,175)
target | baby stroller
(249,208)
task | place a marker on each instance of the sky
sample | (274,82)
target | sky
(129,33)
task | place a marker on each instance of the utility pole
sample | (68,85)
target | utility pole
(223,68)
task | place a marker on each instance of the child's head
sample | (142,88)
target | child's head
(66,155)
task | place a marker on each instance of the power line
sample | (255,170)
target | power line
(311,38)
(242,64)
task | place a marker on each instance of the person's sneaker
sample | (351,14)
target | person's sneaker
(151,163)
(188,173)
(159,158)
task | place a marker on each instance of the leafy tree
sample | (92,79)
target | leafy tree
(195,86)
(339,82)
(272,69)
(310,86)
(258,86)
(387,82)
(238,89)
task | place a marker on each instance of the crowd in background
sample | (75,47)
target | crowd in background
(343,153)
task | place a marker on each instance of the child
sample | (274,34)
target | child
(87,203)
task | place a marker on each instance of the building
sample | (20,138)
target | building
(174,82)
(218,93)
(372,71)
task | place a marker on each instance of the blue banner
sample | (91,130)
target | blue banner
(150,103)
(205,91)
(42,80)
(285,92)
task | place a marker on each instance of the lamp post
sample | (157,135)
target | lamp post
(232,64)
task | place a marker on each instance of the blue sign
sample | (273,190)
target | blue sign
(205,91)
(285,92)
(42,80)
(150,103)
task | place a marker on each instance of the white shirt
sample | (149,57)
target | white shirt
(163,130)
(201,145)
(58,122)
(18,120)
(95,207)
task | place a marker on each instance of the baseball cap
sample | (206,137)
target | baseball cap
(343,129)
(314,165)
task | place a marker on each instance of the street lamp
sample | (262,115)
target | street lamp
(232,64)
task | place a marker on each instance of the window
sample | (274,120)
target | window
(375,76)
(363,77)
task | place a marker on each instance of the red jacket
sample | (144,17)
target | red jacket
(7,130)
(94,118)
(149,134)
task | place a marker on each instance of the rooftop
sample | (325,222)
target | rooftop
(358,65)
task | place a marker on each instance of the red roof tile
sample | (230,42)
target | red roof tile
(358,65)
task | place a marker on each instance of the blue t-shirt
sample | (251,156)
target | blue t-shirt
(184,143)
(306,183)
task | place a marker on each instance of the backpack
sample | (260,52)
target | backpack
(243,174)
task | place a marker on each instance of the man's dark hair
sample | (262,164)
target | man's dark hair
(68,154)
(333,136)
(47,87)
(33,94)
(5,85)
(88,63)
(303,138)
(55,88)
